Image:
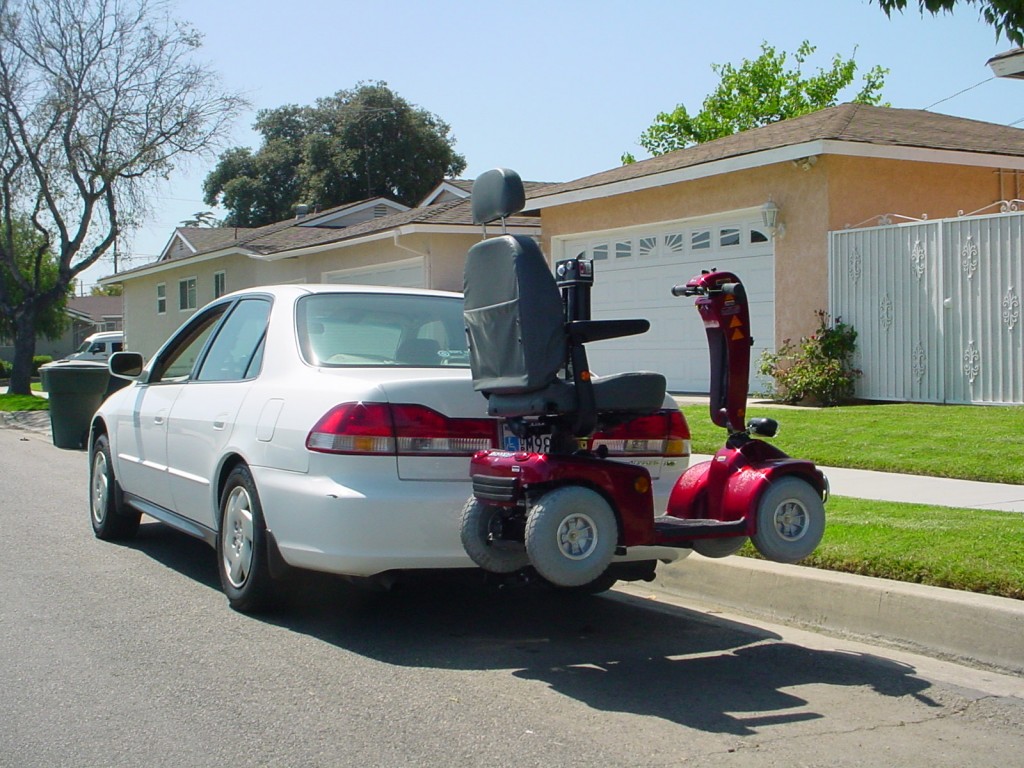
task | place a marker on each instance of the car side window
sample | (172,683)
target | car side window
(236,343)
(177,361)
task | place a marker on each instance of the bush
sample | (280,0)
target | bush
(39,360)
(5,369)
(818,369)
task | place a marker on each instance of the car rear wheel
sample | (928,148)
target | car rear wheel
(571,535)
(790,520)
(483,538)
(111,518)
(242,555)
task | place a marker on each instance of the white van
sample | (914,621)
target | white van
(99,346)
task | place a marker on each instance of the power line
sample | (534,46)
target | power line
(965,90)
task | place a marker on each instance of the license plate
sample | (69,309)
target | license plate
(531,444)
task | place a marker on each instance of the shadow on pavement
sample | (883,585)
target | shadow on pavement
(616,654)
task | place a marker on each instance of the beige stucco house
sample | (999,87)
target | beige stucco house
(657,222)
(375,241)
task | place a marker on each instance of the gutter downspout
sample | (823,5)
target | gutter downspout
(428,276)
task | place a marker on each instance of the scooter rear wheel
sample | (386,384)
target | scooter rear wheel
(571,535)
(721,547)
(481,532)
(790,520)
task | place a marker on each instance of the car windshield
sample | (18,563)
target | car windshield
(372,329)
(84,346)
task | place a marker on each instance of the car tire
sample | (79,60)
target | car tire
(242,556)
(571,536)
(112,519)
(790,520)
(481,531)
(721,547)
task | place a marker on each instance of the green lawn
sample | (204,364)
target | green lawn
(964,441)
(23,403)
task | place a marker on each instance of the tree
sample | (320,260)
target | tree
(32,253)
(1007,16)
(757,93)
(359,143)
(116,289)
(98,99)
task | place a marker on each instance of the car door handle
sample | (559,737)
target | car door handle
(220,422)
(158,419)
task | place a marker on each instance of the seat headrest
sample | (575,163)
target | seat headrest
(496,194)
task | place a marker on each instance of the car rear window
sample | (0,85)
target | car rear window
(337,330)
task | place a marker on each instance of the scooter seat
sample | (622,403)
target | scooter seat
(635,392)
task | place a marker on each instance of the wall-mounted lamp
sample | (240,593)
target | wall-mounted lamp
(770,219)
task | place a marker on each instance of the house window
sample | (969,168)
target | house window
(187,294)
(757,236)
(624,249)
(700,239)
(161,298)
(648,246)
(600,252)
(728,236)
(674,242)
(219,285)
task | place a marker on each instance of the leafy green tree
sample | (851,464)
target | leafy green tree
(1007,16)
(759,92)
(116,289)
(32,253)
(359,143)
(98,100)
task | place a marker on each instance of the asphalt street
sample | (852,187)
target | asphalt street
(127,655)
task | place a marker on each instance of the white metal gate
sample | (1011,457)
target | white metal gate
(936,306)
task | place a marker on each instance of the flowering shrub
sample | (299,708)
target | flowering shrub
(818,369)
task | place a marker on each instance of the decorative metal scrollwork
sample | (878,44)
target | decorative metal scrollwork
(919,259)
(855,266)
(1011,308)
(919,362)
(885,312)
(972,362)
(969,257)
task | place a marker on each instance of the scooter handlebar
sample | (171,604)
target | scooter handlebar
(731,289)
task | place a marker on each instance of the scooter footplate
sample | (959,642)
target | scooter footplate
(668,528)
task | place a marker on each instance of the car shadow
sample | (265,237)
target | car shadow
(614,652)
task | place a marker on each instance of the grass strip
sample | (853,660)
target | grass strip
(982,443)
(966,549)
(23,403)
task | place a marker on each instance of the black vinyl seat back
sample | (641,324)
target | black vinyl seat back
(513,315)
(519,337)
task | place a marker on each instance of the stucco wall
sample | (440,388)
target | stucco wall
(835,192)
(145,330)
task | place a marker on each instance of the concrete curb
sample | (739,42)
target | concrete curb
(964,625)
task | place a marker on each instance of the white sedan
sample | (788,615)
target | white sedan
(316,427)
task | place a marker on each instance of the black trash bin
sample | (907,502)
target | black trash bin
(76,388)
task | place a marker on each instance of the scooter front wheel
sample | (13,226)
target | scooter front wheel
(790,520)
(571,535)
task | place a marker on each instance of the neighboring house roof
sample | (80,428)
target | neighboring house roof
(195,239)
(1008,64)
(285,238)
(96,309)
(847,123)
(450,189)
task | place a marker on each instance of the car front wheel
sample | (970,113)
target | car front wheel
(112,519)
(242,556)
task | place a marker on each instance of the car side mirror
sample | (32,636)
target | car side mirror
(126,365)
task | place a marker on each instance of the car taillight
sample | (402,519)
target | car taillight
(405,430)
(664,433)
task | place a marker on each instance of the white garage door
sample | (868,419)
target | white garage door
(634,275)
(408,273)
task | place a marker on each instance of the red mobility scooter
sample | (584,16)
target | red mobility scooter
(570,513)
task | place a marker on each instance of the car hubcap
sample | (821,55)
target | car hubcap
(237,537)
(577,536)
(99,487)
(791,520)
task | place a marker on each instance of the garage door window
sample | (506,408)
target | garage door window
(700,239)
(728,236)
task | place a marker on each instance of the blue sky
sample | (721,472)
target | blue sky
(559,89)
